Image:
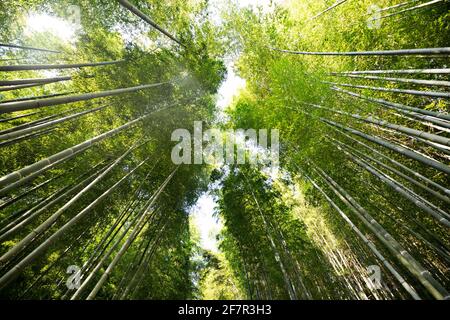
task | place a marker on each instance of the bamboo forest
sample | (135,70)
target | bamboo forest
(224,150)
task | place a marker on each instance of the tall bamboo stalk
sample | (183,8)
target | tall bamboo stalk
(33,81)
(423,275)
(48,124)
(16,106)
(431,94)
(18,268)
(401,80)
(404,52)
(23,67)
(339,2)
(134,233)
(144,17)
(16,46)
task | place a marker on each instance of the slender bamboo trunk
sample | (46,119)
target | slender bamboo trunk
(420,202)
(16,46)
(408,131)
(18,117)
(406,152)
(18,268)
(144,17)
(400,71)
(401,80)
(26,99)
(431,94)
(404,176)
(25,105)
(23,67)
(136,230)
(329,8)
(423,275)
(398,164)
(33,81)
(427,115)
(426,51)
(48,124)
(420,6)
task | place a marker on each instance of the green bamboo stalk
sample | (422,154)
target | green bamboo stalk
(382,123)
(134,233)
(423,275)
(431,94)
(16,46)
(25,105)
(431,116)
(425,51)
(44,125)
(144,17)
(403,151)
(401,80)
(369,243)
(17,269)
(23,67)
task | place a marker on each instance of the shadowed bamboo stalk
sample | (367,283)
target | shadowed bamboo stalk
(420,202)
(22,86)
(389,168)
(5,102)
(425,115)
(400,71)
(134,233)
(33,81)
(286,278)
(398,164)
(369,243)
(43,247)
(432,94)
(16,106)
(44,205)
(423,275)
(50,220)
(339,2)
(47,124)
(18,117)
(27,192)
(425,51)
(410,154)
(26,137)
(382,123)
(23,67)
(420,6)
(144,17)
(16,46)
(401,80)
(20,174)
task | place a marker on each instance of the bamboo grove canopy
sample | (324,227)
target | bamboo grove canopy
(92,206)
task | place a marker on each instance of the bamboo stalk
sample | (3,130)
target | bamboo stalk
(22,67)
(411,154)
(401,80)
(144,17)
(420,6)
(48,124)
(423,275)
(382,123)
(33,81)
(426,115)
(16,106)
(134,233)
(328,9)
(432,94)
(425,51)
(17,269)
(16,46)
(400,71)
(369,243)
